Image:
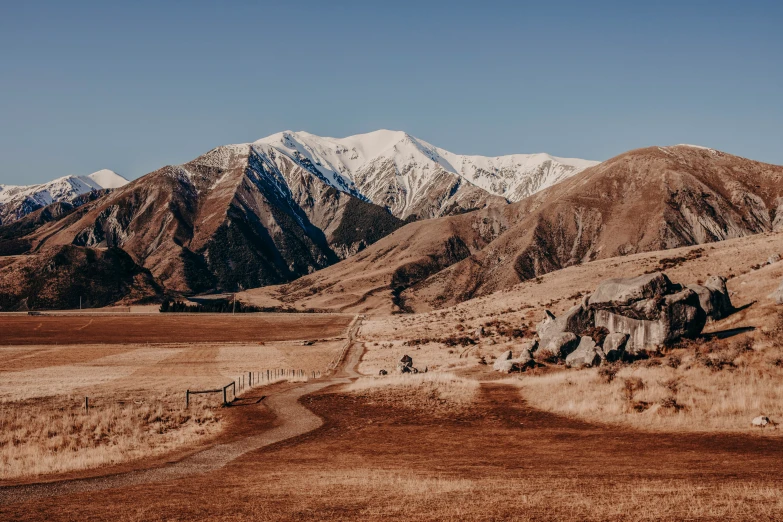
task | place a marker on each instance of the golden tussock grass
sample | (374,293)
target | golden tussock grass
(439,393)
(707,386)
(413,495)
(57,435)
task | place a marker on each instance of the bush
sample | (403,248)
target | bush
(608,373)
(631,386)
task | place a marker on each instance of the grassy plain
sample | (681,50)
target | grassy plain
(137,390)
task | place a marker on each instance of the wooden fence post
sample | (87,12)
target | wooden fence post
(86,405)
(187,398)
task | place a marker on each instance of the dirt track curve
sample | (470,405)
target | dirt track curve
(293,420)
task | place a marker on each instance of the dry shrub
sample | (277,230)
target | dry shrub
(775,333)
(608,372)
(719,355)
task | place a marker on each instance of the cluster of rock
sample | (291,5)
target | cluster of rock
(626,316)
(406,365)
(506,363)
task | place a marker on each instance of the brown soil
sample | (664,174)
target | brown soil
(500,460)
(159,328)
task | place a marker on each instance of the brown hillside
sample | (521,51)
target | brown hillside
(644,200)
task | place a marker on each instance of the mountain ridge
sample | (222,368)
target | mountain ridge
(17,201)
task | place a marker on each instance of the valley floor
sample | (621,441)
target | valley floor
(497,459)
(462,442)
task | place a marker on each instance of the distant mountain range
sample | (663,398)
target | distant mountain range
(18,201)
(644,200)
(376,221)
(410,177)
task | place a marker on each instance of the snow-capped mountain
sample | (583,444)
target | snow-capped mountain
(412,177)
(18,201)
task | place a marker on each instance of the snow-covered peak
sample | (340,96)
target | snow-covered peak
(18,201)
(348,160)
(108,179)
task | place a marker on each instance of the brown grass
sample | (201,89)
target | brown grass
(57,435)
(137,392)
(161,328)
(707,386)
(498,461)
(440,394)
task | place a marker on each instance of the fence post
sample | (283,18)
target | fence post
(250,378)
(225,403)
(187,398)
(86,405)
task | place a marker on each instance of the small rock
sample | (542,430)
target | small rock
(774,258)
(383,372)
(505,366)
(761,421)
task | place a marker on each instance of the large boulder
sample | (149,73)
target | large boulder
(503,362)
(714,297)
(587,354)
(653,322)
(614,346)
(576,320)
(777,295)
(622,292)
(547,323)
(557,346)
(505,366)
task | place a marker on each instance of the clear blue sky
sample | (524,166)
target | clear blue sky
(90,85)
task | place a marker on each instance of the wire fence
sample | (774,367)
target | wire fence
(254,379)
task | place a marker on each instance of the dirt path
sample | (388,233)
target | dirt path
(293,419)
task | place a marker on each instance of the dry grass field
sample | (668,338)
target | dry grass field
(495,460)
(666,438)
(717,385)
(137,390)
(160,328)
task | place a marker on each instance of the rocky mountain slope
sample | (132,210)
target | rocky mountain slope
(229,219)
(413,178)
(644,200)
(265,213)
(19,201)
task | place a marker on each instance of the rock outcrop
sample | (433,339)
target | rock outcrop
(654,322)
(633,314)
